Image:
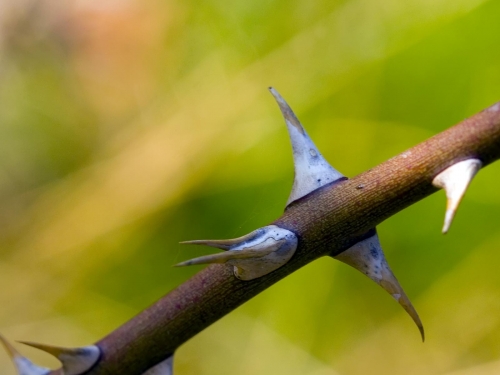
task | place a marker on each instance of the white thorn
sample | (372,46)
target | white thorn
(162,368)
(23,365)
(74,361)
(455,180)
(253,255)
(368,257)
(312,171)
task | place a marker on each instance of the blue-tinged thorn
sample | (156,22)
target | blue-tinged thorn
(253,255)
(312,171)
(368,258)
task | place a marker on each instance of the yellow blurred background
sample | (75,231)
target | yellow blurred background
(128,126)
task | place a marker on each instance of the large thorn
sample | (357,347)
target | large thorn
(23,365)
(75,361)
(162,368)
(367,257)
(312,171)
(253,255)
(455,180)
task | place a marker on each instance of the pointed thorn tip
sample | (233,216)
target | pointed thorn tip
(23,365)
(445,229)
(8,347)
(368,257)
(406,304)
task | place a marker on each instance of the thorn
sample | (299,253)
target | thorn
(23,365)
(232,255)
(312,171)
(253,255)
(455,180)
(162,368)
(226,244)
(367,257)
(74,361)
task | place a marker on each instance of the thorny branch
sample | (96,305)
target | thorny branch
(327,221)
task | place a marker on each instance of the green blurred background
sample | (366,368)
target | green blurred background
(128,126)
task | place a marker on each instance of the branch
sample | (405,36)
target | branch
(327,221)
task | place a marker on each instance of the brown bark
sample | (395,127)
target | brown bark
(327,221)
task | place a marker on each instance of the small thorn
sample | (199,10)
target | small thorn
(225,244)
(162,368)
(455,180)
(23,365)
(367,257)
(312,171)
(253,255)
(232,255)
(75,361)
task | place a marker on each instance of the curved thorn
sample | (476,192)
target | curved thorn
(162,368)
(253,255)
(312,171)
(455,180)
(231,255)
(23,365)
(230,244)
(75,361)
(367,257)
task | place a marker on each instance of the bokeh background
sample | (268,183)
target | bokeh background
(128,126)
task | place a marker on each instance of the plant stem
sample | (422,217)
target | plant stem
(327,221)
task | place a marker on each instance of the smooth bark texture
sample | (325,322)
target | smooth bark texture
(327,221)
